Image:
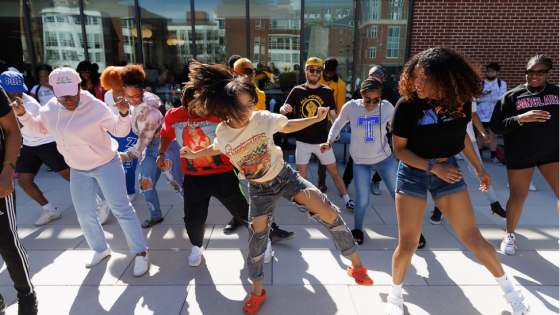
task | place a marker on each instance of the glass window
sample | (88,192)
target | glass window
(373,31)
(373,52)
(396,7)
(393,35)
(51,27)
(227,21)
(14,48)
(258,24)
(279,46)
(338,32)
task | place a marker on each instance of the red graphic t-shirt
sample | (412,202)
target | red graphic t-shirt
(196,133)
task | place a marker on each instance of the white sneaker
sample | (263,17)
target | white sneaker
(458,157)
(131,197)
(508,244)
(532,187)
(98,257)
(517,304)
(103,212)
(48,216)
(141,265)
(268,252)
(394,305)
(195,258)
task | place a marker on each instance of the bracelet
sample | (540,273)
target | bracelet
(430,166)
(519,122)
(11,164)
(161,154)
(124,115)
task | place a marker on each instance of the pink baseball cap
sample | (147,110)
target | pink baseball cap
(65,81)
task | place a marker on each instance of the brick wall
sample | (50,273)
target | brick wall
(505,31)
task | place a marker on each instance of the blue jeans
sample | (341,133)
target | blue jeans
(490,195)
(110,178)
(149,170)
(387,169)
(129,166)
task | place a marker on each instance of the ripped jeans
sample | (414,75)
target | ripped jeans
(263,199)
(149,170)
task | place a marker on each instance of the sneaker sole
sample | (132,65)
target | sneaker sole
(278,239)
(143,273)
(195,264)
(50,220)
(435,222)
(499,216)
(510,254)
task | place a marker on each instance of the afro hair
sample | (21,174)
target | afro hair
(111,77)
(133,75)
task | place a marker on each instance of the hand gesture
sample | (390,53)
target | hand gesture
(160,161)
(534,116)
(18,107)
(286,108)
(322,113)
(6,184)
(448,173)
(325,147)
(187,153)
(485,179)
(123,107)
(487,138)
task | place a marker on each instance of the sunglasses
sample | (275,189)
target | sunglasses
(68,98)
(539,73)
(374,101)
(318,71)
(84,71)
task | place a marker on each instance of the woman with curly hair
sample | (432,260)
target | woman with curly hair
(111,81)
(429,129)
(147,122)
(90,79)
(245,137)
(527,116)
(43,92)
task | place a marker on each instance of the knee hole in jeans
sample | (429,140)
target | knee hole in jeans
(145,183)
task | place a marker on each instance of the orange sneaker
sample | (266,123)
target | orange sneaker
(254,302)
(360,275)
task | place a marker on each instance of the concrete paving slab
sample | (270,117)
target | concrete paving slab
(379,237)
(61,200)
(307,299)
(325,267)
(50,237)
(158,237)
(440,300)
(68,268)
(144,300)
(171,268)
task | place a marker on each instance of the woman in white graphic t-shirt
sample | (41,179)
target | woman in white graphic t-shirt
(43,92)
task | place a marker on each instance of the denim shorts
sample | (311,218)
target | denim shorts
(415,182)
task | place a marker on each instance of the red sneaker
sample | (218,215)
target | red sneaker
(322,185)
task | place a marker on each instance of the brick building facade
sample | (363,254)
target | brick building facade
(503,31)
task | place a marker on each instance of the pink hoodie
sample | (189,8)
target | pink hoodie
(81,136)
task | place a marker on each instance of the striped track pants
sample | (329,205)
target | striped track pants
(11,249)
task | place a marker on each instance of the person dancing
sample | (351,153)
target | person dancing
(530,138)
(429,129)
(245,137)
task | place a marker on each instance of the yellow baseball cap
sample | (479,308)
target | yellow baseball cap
(314,61)
(243,63)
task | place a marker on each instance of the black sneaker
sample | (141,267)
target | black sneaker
(498,211)
(436,216)
(232,225)
(322,185)
(28,305)
(278,235)
(3,305)
(350,205)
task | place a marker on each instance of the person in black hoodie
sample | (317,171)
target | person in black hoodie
(527,117)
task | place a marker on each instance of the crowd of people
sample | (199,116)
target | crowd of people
(95,130)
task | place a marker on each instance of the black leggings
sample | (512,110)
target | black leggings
(13,253)
(198,189)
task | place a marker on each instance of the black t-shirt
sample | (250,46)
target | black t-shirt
(5,109)
(431,132)
(533,142)
(305,102)
(388,94)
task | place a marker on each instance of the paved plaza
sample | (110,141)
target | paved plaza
(307,274)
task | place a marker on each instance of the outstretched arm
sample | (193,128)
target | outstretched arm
(294,125)
(187,153)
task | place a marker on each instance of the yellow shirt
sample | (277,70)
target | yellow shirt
(339,89)
(262,99)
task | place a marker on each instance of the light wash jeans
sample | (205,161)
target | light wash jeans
(110,178)
(387,169)
(149,170)
(490,195)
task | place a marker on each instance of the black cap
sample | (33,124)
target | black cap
(330,64)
